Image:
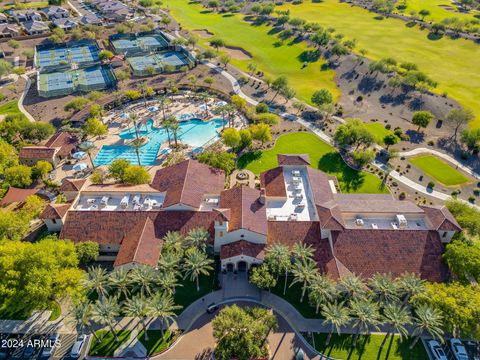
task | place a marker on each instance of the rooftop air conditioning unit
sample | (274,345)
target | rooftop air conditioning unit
(359,222)
(402,222)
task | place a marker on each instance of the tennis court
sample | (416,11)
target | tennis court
(129,43)
(67,82)
(157,63)
(68,53)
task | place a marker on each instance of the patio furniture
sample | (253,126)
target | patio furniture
(136,200)
(104,201)
(295,173)
(91,201)
(296,180)
(124,202)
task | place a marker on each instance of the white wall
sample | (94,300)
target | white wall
(446,236)
(53,226)
(232,236)
(235,259)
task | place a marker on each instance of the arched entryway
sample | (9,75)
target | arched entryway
(242,266)
(230,267)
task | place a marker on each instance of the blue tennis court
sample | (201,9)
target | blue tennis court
(67,54)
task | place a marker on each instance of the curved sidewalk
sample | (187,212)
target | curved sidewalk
(22,97)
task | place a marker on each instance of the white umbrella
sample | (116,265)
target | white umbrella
(79,155)
(153,108)
(79,167)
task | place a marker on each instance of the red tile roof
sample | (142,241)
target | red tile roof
(14,195)
(63,140)
(330,216)
(273,182)
(366,252)
(187,182)
(111,227)
(242,247)
(37,152)
(293,159)
(54,211)
(246,210)
(140,246)
(72,184)
(441,218)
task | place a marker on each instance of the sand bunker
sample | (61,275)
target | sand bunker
(237,53)
(203,33)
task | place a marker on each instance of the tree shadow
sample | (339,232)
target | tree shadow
(309,56)
(392,99)
(434,36)
(333,163)
(416,137)
(369,84)
(275,30)
(248,158)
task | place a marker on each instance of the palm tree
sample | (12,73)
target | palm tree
(169,261)
(104,312)
(137,144)
(162,306)
(82,317)
(198,238)
(196,263)
(97,280)
(322,290)
(133,119)
(336,315)
(304,273)
(366,315)
(205,96)
(89,147)
(166,125)
(171,124)
(410,285)
(397,317)
(121,281)
(385,288)
(427,319)
(143,90)
(167,281)
(143,278)
(163,101)
(137,307)
(303,252)
(278,257)
(173,241)
(353,287)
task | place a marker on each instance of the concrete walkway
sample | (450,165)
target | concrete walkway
(22,97)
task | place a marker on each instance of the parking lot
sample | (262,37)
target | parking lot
(449,350)
(27,346)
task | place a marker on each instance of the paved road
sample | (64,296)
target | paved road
(198,342)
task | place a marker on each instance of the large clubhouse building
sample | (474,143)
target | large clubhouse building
(351,233)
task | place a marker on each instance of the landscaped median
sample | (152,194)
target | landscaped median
(322,156)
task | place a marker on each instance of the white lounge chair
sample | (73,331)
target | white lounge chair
(136,200)
(124,202)
(295,173)
(104,201)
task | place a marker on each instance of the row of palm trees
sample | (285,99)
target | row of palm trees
(144,292)
(353,302)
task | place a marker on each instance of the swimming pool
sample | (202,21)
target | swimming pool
(193,132)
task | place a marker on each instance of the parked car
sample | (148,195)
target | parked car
(459,351)
(78,346)
(212,308)
(29,351)
(437,351)
(50,346)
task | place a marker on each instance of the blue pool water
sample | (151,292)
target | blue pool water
(194,132)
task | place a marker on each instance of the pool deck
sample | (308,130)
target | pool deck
(179,105)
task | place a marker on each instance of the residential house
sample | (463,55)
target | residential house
(53,216)
(9,30)
(114,10)
(350,233)
(55,12)
(3,18)
(88,19)
(35,27)
(22,16)
(71,188)
(65,23)
(55,150)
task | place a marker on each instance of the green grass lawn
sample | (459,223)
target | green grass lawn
(293,295)
(28,5)
(368,347)
(10,108)
(447,61)
(437,12)
(156,343)
(322,156)
(439,170)
(107,345)
(378,131)
(273,59)
(187,293)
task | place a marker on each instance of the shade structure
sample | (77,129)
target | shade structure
(86,145)
(79,155)
(79,167)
